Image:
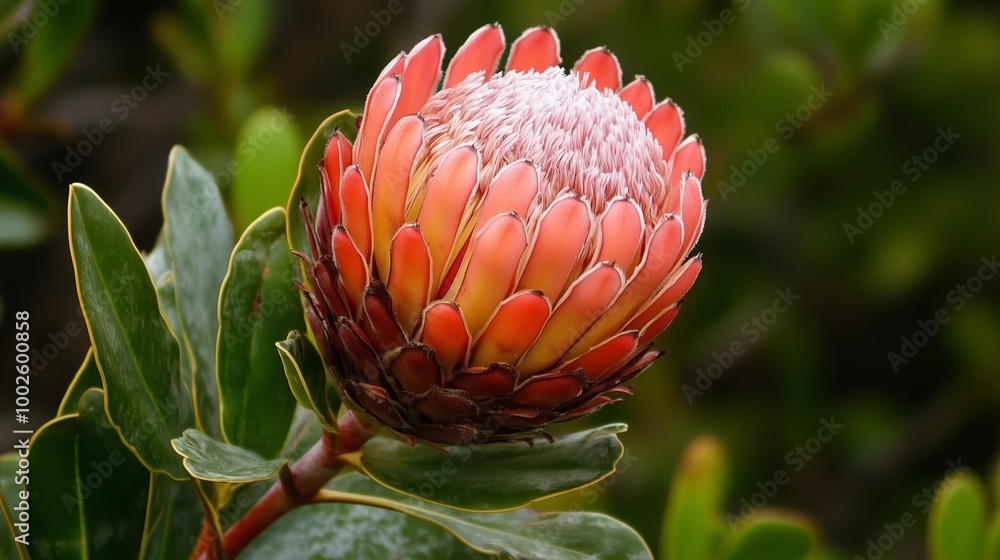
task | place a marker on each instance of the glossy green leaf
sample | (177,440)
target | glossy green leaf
(307,183)
(88,492)
(522,534)
(306,378)
(348,532)
(87,377)
(45,55)
(207,459)
(772,537)
(494,477)
(158,259)
(136,353)
(957,524)
(173,520)
(199,241)
(161,269)
(691,527)
(10,498)
(265,160)
(259,304)
(166,293)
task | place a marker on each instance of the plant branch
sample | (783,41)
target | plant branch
(305,479)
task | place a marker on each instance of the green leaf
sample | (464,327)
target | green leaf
(173,520)
(227,38)
(10,498)
(158,260)
(772,537)
(88,492)
(494,477)
(957,524)
(691,527)
(519,534)
(307,183)
(136,353)
(348,532)
(87,377)
(22,225)
(26,210)
(52,46)
(338,530)
(306,378)
(259,304)
(161,269)
(187,48)
(207,459)
(239,33)
(993,539)
(266,157)
(199,241)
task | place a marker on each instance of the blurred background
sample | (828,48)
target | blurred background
(845,328)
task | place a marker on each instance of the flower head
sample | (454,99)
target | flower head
(499,254)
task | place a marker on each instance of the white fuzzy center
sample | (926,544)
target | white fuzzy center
(584,141)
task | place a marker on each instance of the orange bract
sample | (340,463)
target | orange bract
(499,254)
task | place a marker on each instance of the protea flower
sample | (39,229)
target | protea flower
(499,254)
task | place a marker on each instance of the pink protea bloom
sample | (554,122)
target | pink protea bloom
(499,254)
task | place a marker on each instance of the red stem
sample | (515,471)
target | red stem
(310,473)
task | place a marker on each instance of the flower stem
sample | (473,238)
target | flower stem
(305,479)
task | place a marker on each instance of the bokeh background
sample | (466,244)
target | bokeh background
(844,99)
